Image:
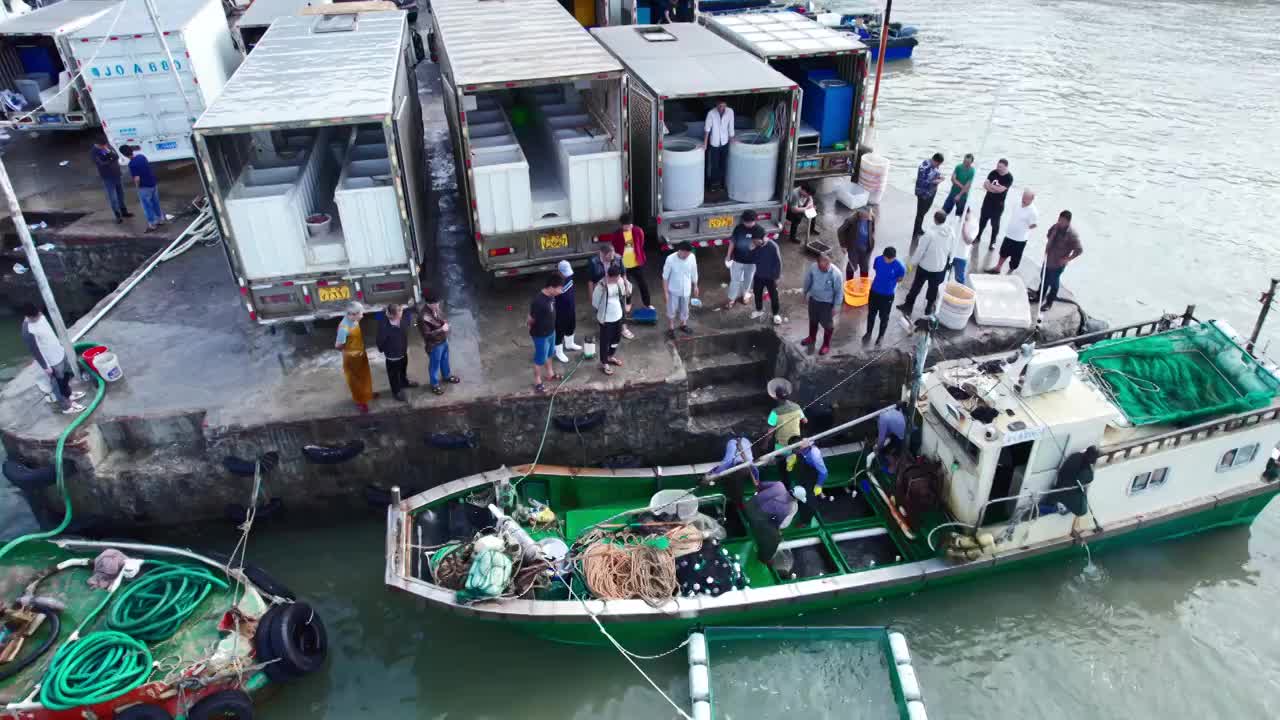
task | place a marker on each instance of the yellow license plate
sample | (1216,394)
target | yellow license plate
(556,241)
(335,293)
(720,223)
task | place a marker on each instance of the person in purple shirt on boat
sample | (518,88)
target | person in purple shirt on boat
(891,430)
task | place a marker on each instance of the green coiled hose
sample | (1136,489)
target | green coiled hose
(96,668)
(153,606)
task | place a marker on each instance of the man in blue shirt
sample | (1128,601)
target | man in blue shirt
(889,272)
(108,164)
(927,179)
(148,188)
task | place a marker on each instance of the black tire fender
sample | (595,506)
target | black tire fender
(259,577)
(294,637)
(30,478)
(143,711)
(223,705)
(245,468)
(452,440)
(332,455)
(578,423)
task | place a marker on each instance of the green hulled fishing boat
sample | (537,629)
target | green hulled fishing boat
(1124,437)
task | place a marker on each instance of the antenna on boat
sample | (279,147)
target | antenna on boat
(924,340)
(1267,298)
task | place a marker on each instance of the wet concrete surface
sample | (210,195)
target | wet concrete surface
(201,377)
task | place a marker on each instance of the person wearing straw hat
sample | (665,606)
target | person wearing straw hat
(355,361)
(785,421)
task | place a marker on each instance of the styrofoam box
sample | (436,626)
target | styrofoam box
(368,209)
(1001,300)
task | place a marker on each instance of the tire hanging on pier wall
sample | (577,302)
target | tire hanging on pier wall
(30,478)
(246,468)
(465,440)
(579,423)
(332,454)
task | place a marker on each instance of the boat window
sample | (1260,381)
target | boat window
(1237,457)
(1148,480)
(964,443)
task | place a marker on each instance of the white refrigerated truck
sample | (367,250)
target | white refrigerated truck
(313,162)
(537,115)
(119,71)
(677,73)
(831,68)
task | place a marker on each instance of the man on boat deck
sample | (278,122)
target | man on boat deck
(785,421)
(736,451)
(891,430)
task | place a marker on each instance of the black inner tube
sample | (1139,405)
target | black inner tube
(54,624)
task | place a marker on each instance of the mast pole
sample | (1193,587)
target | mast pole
(924,339)
(1266,299)
(884,44)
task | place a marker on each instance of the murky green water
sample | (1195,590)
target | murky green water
(1154,123)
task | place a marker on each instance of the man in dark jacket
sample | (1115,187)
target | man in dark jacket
(767,258)
(108,164)
(393,342)
(434,326)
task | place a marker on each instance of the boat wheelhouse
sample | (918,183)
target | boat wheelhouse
(1181,424)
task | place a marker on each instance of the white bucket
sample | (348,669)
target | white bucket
(588,349)
(873,174)
(108,366)
(956,307)
(681,503)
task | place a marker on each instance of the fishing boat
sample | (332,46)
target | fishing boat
(866,671)
(132,631)
(1124,437)
(867,24)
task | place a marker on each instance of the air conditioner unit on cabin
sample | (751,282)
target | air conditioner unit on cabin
(1048,370)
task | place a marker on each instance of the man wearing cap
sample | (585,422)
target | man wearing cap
(566,314)
(740,257)
(679,286)
(355,361)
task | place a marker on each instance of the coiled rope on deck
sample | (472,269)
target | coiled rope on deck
(155,605)
(625,565)
(100,667)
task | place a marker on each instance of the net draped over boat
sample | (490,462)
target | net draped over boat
(1180,376)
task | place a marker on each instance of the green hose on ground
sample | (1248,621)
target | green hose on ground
(57,459)
(99,667)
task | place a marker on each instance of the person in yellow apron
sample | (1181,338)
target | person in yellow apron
(355,362)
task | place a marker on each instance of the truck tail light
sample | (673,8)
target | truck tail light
(498,252)
(764,216)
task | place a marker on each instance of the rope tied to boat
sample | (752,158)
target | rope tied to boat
(627,565)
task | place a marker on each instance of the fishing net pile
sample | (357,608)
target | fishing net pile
(1181,376)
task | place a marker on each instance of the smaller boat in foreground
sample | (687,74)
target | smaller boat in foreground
(132,631)
(866,671)
(1148,432)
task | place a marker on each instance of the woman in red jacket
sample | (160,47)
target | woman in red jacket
(628,241)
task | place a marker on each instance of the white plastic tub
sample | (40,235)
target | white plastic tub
(753,168)
(684,167)
(956,306)
(591,171)
(504,198)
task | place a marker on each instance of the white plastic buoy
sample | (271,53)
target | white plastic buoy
(697,649)
(915,711)
(898,644)
(700,683)
(702,710)
(910,684)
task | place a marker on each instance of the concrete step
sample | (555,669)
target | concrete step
(727,368)
(720,425)
(736,397)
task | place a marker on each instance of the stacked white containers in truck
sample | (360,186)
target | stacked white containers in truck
(537,115)
(313,163)
(677,72)
(127,71)
(36,62)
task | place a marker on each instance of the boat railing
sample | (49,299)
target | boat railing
(1183,436)
(1140,329)
(1031,499)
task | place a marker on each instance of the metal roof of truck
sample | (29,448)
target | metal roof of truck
(172,14)
(57,19)
(692,61)
(501,41)
(262,13)
(783,34)
(296,75)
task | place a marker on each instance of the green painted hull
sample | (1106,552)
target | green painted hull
(1238,513)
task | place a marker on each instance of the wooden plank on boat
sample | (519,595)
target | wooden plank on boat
(349,8)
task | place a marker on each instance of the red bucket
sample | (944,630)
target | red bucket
(92,353)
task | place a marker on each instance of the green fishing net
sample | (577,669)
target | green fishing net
(1180,376)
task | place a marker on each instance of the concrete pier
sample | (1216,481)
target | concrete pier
(203,382)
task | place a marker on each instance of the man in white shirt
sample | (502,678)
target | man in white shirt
(961,243)
(930,259)
(1023,221)
(679,284)
(717,134)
